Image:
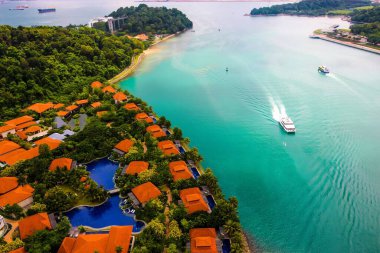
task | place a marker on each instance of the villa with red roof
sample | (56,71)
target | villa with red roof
(204,240)
(143,193)
(120,97)
(62,163)
(96,104)
(7,147)
(31,224)
(96,85)
(193,200)
(108,89)
(179,170)
(19,250)
(123,146)
(7,129)
(143,116)
(131,107)
(168,147)
(14,194)
(136,167)
(40,107)
(156,131)
(118,236)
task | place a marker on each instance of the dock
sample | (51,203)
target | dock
(113,191)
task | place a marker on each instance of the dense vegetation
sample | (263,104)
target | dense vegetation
(371,26)
(53,63)
(310,7)
(152,20)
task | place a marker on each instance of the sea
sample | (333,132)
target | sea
(314,191)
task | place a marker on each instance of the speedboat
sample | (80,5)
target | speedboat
(288,125)
(323,69)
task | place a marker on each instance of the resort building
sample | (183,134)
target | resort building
(40,107)
(108,89)
(179,170)
(156,131)
(168,148)
(96,85)
(131,107)
(82,102)
(118,236)
(120,97)
(96,104)
(136,167)
(204,240)
(22,135)
(19,250)
(18,155)
(7,129)
(52,143)
(63,114)
(143,116)
(8,184)
(143,193)
(32,130)
(101,113)
(58,106)
(7,147)
(193,200)
(31,224)
(62,163)
(18,121)
(22,196)
(142,37)
(23,126)
(71,109)
(123,147)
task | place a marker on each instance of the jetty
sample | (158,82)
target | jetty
(113,191)
(346,43)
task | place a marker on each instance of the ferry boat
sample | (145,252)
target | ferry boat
(288,125)
(323,69)
(46,10)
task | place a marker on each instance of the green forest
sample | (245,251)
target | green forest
(371,26)
(152,20)
(54,63)
(310,7)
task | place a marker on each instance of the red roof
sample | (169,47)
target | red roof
(137,167)
(144,116)
(33,129)
(109,89)
(179,170)
(22,135)
(156,131)
(96,84)
(25,125)
(61,163)
(16,196)
(40,107)
(124,145)
(52,143)
(62,113)
(19,250)
(203,240)
(19,120)
(7,184)
(29,225)
(7,146)
(96,104)
(82,102)
(6,128)
(59,105)
(101,113)
(193,201)
(168,147)
(146,192)
(19,155)
(120,96)
(71,108)
(131,106)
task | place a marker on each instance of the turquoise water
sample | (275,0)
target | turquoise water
(315,191)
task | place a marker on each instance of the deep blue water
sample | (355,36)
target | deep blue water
(102,171)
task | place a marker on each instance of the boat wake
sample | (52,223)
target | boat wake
(278,110)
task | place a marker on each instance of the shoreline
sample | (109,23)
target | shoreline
(137,60)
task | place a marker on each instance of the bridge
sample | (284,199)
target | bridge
(113,191)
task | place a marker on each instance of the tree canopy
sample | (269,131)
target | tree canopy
(371,26)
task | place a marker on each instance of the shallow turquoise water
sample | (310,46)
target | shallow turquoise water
(316,191)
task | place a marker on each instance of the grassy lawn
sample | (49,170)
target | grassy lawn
(82,200)
(347,12)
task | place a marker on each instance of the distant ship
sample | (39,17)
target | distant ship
(288,125)
(19,8)
(46,10)
(323,69)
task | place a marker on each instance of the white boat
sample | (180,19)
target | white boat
(288,125)
(323,69)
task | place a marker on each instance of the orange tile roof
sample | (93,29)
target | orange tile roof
(144,116)
(6,128)
(137,167)
(203,240)
(81,102)
(62,113)
(16,196)
(19,250)
(146,192)
(71,108)
(8,156)
(31,224)
(25,125)
(168,147)
(52,143)
(59,105)
(22,135)
(131,106)
(8,146)
(61,163)
(83,179)
(40,107)
(103,243)
(193,201)
(19,155)
(101,113)
(7,184)
(33,129)
(109,89)
(124,145)
(156,131)
(18,121)
(120,96)
(96,104)
(96,84)
(179,170)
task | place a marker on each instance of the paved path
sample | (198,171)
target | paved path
(8,237)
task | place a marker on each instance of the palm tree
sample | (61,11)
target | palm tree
(119,249)
(231,227)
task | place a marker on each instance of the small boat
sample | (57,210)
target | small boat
(288,125)
(323,69)
(46,10)
(226,69)
(313,36)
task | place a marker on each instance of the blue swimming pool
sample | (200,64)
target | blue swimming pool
(195,172)
(211,201)
(102,171)
(102,216)
(226,248)
(182,150)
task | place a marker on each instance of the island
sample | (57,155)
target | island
(85,165)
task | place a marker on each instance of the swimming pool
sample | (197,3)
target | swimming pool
(195,172)
(211,201)
(102,171)
(104,215)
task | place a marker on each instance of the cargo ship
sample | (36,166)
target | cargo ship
(46,10)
